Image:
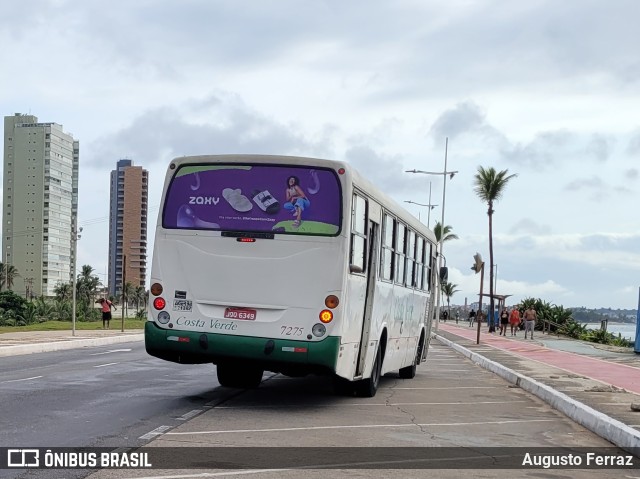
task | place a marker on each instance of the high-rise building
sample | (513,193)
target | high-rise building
(128,226)
(40,204)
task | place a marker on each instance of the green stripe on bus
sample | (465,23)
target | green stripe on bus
(320,353)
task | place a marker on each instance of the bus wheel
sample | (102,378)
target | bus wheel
(410,371)
(241,376)
(368,387)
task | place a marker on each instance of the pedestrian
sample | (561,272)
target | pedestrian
(457,316)
(530,317)
(493,320)
(514,320)
(445,315)
(472,317)
(106,306)
(504,321)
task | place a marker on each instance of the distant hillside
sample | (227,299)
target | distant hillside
(585,315)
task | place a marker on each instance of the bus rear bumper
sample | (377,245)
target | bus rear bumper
(278,355)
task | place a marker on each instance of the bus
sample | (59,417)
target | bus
(291,265)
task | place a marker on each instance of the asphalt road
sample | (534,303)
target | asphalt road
(110,396)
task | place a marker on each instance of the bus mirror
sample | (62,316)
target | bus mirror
(354,268)
(444,274)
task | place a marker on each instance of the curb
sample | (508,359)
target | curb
(608,428)
(21,349)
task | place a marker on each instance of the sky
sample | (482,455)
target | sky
(548,90)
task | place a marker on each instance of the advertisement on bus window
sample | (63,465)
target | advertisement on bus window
(254,198)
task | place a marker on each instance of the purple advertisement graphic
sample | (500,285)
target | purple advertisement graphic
(254,198)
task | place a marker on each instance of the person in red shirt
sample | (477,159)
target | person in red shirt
(106,311)
(514,320)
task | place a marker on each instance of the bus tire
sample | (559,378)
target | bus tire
(410,371)
(240,376)
(368,387)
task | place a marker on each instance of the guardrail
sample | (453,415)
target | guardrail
(546,326)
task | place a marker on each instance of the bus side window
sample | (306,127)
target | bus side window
(400,252)
(411,258)
(358,235)
(429,260)
(419,262)
(387,259)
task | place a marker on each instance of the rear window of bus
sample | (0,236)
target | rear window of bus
(254,198)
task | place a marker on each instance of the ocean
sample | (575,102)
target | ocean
(627,330)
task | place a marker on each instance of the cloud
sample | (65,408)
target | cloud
(464,118)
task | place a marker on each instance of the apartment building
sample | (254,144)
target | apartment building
(40,203)
(128,226)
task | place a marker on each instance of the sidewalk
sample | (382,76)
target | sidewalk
(28,342)
(594,386)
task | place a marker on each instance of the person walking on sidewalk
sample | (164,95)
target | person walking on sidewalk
(514,320)
(504,321)
(530,317)
(106,306)
(472,317)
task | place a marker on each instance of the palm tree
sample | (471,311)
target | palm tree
(449,289)
(448,235)
(8,274)
(489,186)
(63,291)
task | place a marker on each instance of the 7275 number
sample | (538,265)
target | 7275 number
(291,331)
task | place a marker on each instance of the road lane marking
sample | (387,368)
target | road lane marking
(103,365)
(23,379)
(156,432)
(452,387)
(362,426)
(189,415)
(292,406)
(111,351)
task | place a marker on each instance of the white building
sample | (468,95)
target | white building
(40,203)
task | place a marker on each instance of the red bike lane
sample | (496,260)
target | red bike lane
(608,372)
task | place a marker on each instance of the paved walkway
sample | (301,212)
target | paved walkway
(598,388)
(620,369)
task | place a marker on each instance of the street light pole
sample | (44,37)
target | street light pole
(430,205)
(74,243)
(440,243)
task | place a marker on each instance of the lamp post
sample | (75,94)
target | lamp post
(428,205)
(75,236)
(478,267)
(444,174)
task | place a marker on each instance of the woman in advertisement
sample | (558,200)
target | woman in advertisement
(297,201)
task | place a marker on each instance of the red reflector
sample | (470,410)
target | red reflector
(159,303)
(341,171)
(299,350)
(246,240)
(183,340)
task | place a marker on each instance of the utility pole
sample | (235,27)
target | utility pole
(124,282)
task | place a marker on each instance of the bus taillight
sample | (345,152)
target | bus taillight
(331,301)
(159,303)
(156,289)
(326,316)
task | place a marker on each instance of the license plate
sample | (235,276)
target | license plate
(182,305)
(240,313)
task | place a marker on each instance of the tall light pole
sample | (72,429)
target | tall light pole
(444,174)
(428,205)
(75,236)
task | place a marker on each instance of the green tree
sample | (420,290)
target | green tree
(445,234)
(489,185)
(10,301)
(8,274)
(63,291)
(449,289)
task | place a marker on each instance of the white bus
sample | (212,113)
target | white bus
(291,265)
